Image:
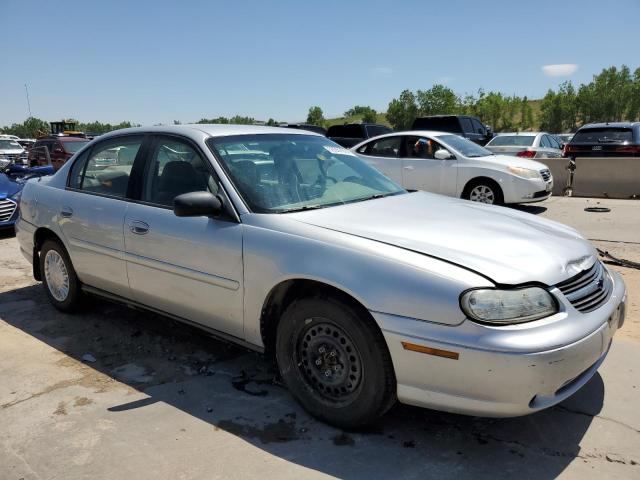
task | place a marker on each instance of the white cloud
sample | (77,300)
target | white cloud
(381,71)
(559,70)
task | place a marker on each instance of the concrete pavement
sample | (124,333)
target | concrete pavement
(116,393)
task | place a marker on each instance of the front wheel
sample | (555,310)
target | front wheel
(335,362)
(58,277)
(484,191)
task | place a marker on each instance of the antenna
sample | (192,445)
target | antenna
(26,89)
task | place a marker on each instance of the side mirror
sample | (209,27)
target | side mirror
(197,204)
(442,154)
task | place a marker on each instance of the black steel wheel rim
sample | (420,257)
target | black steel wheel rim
(329,361)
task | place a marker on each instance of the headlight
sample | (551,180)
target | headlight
(508,306)
(524,172)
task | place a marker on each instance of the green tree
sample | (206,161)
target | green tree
(489,108)
(526,114)
(31,128)
(223,120)
(315,116)
(368,114)
(551,112)
(438,100)
(402,111)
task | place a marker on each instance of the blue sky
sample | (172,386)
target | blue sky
(158,61)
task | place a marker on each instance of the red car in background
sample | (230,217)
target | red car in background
(57,148)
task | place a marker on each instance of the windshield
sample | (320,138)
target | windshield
(9,145)
(603,135)
(279,173)
(73,147)
(464,146)
(512,141)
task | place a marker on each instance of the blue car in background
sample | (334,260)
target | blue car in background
(12,180)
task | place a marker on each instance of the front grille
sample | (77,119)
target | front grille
(7,207)
(589,289)
(546,174)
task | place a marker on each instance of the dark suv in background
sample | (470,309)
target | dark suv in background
(351,134)
(465,126)
(620,139)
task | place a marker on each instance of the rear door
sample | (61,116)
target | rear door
(93,208)
(188,267)
(384,155)
(421,171)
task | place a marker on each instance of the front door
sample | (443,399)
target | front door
(92,211)
(188,267)
(421,171)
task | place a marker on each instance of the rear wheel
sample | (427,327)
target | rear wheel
(58,277)
(484,191)
(335,362)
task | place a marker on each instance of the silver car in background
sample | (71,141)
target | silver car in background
(284,242)
(526,145)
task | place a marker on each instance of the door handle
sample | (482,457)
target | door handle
(138,227)
(66,212)
(408,167)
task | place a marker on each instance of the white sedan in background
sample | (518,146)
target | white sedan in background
(448,164)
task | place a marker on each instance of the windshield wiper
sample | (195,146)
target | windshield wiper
(607,140)
(302,209)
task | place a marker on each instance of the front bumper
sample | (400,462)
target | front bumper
(502,371)
(521,190)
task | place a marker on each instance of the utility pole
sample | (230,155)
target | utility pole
(26,89)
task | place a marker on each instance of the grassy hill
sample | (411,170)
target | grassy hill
(382,117)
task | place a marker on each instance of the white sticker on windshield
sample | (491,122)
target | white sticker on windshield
(338,150)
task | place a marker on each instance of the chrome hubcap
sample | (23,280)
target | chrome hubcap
(482,194)
(55,272)
(329,361)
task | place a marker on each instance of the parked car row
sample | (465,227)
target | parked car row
(362,292)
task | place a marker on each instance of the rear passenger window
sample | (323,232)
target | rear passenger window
(108,167)
(175,168)
(467,125)
(386,147)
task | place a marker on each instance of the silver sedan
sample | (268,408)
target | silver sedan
(286,243)
(526,145)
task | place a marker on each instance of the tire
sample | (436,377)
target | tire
(59,278)
(484,191)
(348,384)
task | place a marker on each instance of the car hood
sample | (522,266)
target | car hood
(505,245)
(8,186)
(510,160)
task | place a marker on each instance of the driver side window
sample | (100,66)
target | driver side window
(421,147)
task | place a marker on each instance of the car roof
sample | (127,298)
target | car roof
(610,124)
(520,134)
(71,139)
(213,130)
